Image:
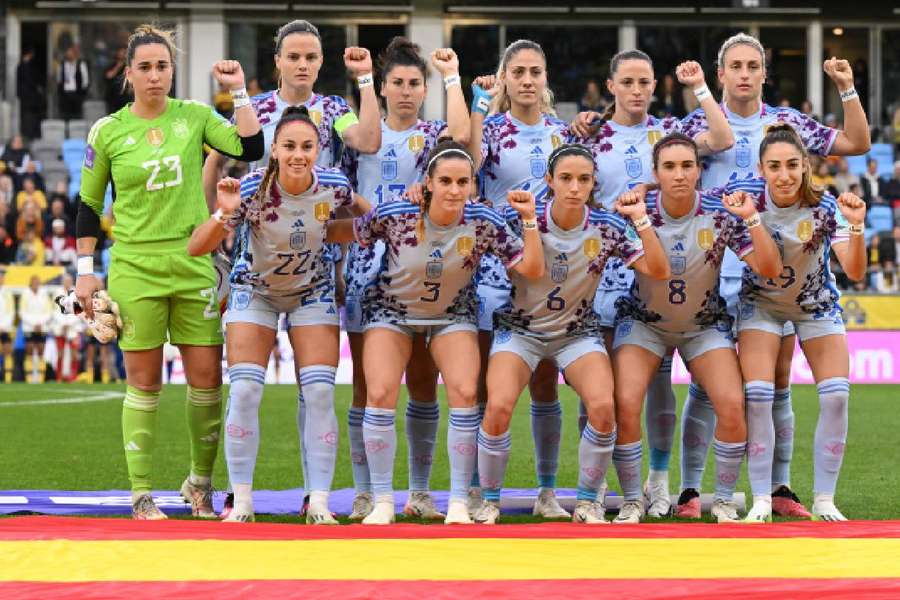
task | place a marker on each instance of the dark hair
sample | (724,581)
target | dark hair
(291,114)
(400,52)
(445,149)
(810,193)
(295,26)
(567,150)
(148,34)
(675,139)
(614,64)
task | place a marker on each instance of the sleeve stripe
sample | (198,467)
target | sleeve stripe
(95,130)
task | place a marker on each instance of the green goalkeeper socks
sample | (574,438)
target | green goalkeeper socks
(204,416)
(139,425)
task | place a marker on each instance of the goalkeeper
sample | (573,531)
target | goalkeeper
(151,150)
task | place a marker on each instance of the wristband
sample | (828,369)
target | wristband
(221,218)
(451,80)
(85,265)
(849,95)
(702,93)
(529,223)
(641,224)
(364,81)
(240,97)
(752,221)
(481,100)
(857,229)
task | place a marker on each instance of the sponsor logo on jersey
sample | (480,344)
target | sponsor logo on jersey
(129,142)
(180,128)
(559,272)
(678,247)
(633,167)
(89,155)
(389,170)
(436,254)
(538,162)
(591,248)
(322,210)
(465,245)
(433,269)
(416,143)
(678,264)
(705,238)
(805,230)
(316,117)
(298,240)
(653,136)
(155,136)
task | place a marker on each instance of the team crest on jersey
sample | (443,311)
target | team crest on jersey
(180,128)
(556,141)
(633,167)
(155,136)
(742,156)
(705,238)
(322,210)
(559,272)
(389,170)
(805,230)
(416,143)
(653,136)
(465,245)
(591,248)
(316,117)
(298,240)
(433,269)
(678,264)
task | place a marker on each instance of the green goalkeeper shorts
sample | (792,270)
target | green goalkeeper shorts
(164,293)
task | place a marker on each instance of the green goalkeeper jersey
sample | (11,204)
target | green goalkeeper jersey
(155,167)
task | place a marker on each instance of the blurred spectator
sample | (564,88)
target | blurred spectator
(592,98)
(890,189)
(29,220)
(72,81)
(895,125)
(7,185)
(806,107)
(7,247)
(831,121)
(60,246)
(668,100)
(32,173)
(885,280)
(114,81)
(31,250)
(843,179)
(785,103)
(223,102)
(16,156)
(35,314)
(58,211)
(870,183)
(30,193)
(30,92)
(253,88)
(67,330)
(822,176)
(7,330)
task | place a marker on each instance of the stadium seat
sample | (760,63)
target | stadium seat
(93,110)
(73,153)
(78,128)
(45,151)
(53,130)
(53,174)
(883,153)
(880,218)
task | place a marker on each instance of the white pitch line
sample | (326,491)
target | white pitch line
(101,397)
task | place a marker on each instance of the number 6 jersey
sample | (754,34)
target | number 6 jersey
(283,251)
(155,165)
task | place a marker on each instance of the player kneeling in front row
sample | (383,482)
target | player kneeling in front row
(685,311)
(552,318)
(281,267)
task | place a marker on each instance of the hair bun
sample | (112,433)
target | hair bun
(295,110)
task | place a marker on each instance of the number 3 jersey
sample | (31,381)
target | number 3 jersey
(804,236)
(430,282)
(283,251)
(689,300)
(560,304)
(155,165)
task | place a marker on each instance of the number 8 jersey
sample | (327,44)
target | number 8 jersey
(154,165)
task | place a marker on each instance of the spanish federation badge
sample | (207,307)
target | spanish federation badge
(465,245)
(322,210)
(591,248)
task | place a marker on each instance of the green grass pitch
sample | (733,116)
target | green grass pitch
(75,443)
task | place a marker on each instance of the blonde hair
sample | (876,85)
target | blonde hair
(737,40)
(501,102)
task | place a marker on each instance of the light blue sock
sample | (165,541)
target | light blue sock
(422,420)
(698,424)
(759,396)
(728,457)
(462,447)
(659,416)
(627,459)
(546,430)
(595,450)
(476,481)
(493,454)
(321,432)
(301,428)
(831,433)
(783,416)
(358,464)
(380,436)
(242,421)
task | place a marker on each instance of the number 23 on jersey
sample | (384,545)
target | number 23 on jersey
(163,173)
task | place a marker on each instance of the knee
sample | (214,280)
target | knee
(205,376)
(730,411)
(381,395)
(498,416)
(601,414)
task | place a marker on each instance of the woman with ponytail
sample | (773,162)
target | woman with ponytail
(426,287)
(282,267)
(384,176)
(807,225)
